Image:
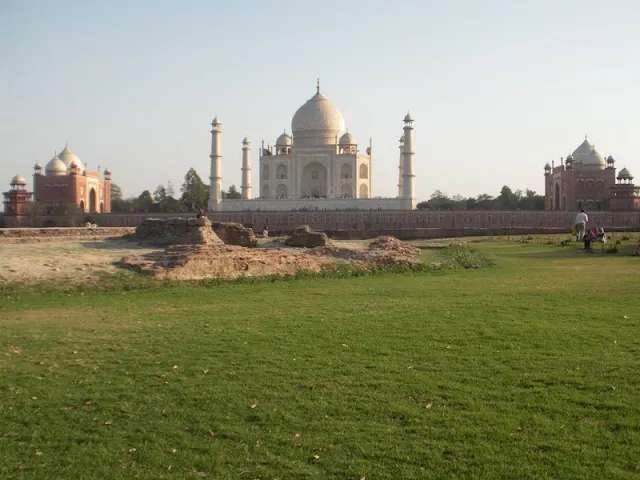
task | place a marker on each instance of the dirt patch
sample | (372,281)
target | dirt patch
(193,262)
(73,262)
(63,260)
(39,235)
(393,246)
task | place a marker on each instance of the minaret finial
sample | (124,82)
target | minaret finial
(318,86)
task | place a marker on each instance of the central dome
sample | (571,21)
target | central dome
(317,118)
(586,156)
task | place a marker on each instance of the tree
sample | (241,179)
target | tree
(116,192)
(507,200)
(195,194)
(118,203)
(160,194)
(231,193)
(144,202)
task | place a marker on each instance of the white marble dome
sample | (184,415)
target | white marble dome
(348,139)
(283,140)
(69,158)
(587,156)
(55,166)
(317,116)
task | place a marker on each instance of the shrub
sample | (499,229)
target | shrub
(463,256)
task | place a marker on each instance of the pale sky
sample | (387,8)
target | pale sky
(496,87)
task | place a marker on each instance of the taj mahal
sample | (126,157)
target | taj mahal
(319,167)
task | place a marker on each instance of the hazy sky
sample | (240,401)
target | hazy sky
(496,87)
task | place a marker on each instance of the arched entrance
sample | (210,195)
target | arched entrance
(557,197)
(101,207)
(81,205)
(92,201)
(281,191)
(314,180)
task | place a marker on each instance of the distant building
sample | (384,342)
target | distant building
(320,166)
(65,181)
(585,179)
(17,199)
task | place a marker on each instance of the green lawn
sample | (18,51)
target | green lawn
(528,369)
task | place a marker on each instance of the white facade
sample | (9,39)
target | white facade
(319,167)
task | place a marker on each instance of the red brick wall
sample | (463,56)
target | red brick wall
(389,221)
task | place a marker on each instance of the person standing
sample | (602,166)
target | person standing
(581,224)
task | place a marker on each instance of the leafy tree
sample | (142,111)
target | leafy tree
(195,194)
(144,202)
(231,193)
(116,193)
(507,200)
(118,203)
(160,194)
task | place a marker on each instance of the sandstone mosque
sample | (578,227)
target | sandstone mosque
(65,181)
(319,167)
(585,179)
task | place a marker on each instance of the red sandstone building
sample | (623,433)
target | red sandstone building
(586,180)
(65,181)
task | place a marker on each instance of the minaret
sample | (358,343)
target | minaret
(246,169)
(215,189)
(400,169)
(407,167)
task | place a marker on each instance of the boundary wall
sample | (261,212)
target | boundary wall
(371,223)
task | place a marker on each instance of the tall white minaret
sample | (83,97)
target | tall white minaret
(400,165)
(215,190)
(246,169)
(407,167)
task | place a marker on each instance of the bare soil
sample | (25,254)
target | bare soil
(82,260)
(72,259)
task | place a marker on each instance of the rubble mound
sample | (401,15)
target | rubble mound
(176,231)
(234,234)
(304,237)
(393,246)
(195,262)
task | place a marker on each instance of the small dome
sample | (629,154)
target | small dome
(547,166)
(55,166)
(37,166)
(284,140)
(107,171)
(569,158)
(625,174)
(407,118)
(18,180)
(610,159)
(348,139)
(245,141)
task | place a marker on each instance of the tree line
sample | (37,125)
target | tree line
(507,200)
(194,196)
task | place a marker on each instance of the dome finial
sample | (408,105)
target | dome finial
(318,85)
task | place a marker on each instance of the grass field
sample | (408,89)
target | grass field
(527,369)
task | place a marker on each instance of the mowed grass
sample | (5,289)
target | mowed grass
(528,369)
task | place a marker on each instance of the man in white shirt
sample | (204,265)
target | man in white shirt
(581,225)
